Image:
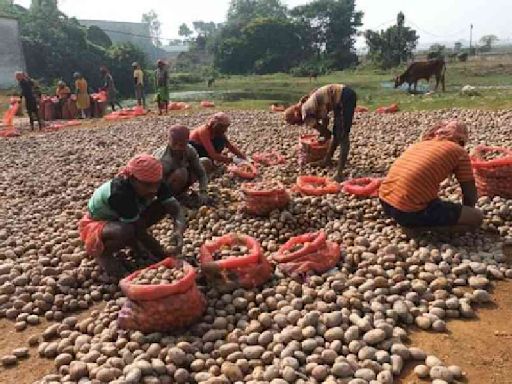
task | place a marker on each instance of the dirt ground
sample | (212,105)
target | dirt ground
(34,367)
(481,347)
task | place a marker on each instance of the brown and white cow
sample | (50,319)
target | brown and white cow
(423,70)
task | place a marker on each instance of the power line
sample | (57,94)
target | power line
(413,24)
(135,34)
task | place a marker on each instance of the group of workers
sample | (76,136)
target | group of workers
(31,93)
(153,186)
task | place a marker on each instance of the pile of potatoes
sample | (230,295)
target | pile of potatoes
(160,275)
(228,252)
(349,325)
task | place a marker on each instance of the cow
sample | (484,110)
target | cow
(211,82)
(313,76)
(423,70)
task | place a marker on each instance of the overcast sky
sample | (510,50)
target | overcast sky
(435,20)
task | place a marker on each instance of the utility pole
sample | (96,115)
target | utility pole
(470,39)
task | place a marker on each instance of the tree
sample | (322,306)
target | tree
(436,51)
(185,31)
(56,46)
(151,18)
(242,12)
(264,45)
(393,46)
(119,60)
(332,27)
(205,29)
(97,36)
(488,41)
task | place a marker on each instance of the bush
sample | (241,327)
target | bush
(310,68)
(463,57)
(177,79)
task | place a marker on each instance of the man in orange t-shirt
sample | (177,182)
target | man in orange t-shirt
(409,194)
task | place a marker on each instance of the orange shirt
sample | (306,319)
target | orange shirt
(203,136)
(413,180)
(63,92)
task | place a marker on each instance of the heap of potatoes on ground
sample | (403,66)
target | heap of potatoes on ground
(349,325)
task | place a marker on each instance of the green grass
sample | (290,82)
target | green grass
(258,92)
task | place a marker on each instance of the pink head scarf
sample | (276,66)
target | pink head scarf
(219,118)
(452,130)
(145,168)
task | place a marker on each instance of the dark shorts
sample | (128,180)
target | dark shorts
(438,213)
(219,143)
(139,91)
(31,104)
(344,114)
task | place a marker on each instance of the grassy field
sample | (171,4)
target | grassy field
(493,76)
(373,87)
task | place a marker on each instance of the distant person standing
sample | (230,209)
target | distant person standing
(162,86)
(63,93)
(109,87)
(138,78)
(27,92)
(83,100)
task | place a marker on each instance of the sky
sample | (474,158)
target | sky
(435,20)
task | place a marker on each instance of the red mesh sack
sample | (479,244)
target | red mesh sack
(277,108)
(268,158)
(361,109)
(364,186)
(262,198)
(161,308)
(310,149)
(493,177)
(317,185)
(307,253)
(207,104)
(178,106)
(244,170)
(389,109)
(247,271)
(9,132)
(8,118)
(69,109)
(47,108)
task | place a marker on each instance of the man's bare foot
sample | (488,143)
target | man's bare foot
(114,268)
(338,177)
(321,163)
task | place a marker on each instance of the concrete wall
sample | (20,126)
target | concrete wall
(11,52)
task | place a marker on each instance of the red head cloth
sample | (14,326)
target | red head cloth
(144,168)
(293,115)
(452,130)
(219,118)
(178,133)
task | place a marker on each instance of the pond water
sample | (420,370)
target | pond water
(235,95)
(421,88)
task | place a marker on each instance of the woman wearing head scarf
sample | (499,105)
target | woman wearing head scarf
(210,139)
(121,211)
(109,87)
(182,166)
(162,86)
(409,193)
(313,111)
(83,101)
